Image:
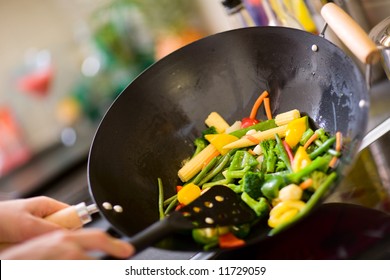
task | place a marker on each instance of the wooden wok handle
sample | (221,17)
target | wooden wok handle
(73,217)
(350,33)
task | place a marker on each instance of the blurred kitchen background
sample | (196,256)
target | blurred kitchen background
(63,62)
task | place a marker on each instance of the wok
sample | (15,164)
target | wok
(149,129)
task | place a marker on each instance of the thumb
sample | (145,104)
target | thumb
(42,206)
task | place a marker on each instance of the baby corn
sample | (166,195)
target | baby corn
(256,138)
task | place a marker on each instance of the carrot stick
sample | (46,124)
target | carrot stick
(257,104)
(207,161)
(338,147)
(306,184)
(338,141)
(267,107)
(310,140)
(333,162)
(252,139)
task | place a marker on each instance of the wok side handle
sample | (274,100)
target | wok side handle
(350,33)
(151,234)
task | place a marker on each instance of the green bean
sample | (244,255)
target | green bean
(169,200)
(318,142)
(334,153)
(221,164)
(205,170)
(172,204)
(283,153)
(321,134)
(160,198)
(261,126)
(306,135)
(323,148)
(309,204)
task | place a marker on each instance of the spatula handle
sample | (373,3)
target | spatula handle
(151,235)
(73,217)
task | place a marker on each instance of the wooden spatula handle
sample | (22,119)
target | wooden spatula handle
(73,217)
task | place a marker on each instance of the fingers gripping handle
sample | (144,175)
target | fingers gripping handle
(73,217)
(350,33)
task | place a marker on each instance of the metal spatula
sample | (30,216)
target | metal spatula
(219,206)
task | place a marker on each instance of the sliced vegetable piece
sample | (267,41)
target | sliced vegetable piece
(219,141)
(188,193)
(261,126)
(282,152)
(257,104)
(270,188)
(251,183)
(320,163)
(246,122)
(309,204)
(284,212)
(311,139)
(229,240)
(334,160)
(267,107)
(306,184)
(323,148)
(290,192)
(205,236)
(306,136)
(195,164)
(260,207)
(216,120)
(295,130)
(286,117)
(260,136)
(301,159)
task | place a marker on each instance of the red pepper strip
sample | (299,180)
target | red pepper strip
(288,151)
(229,240)
(179,206)
(252,139)
(178,188)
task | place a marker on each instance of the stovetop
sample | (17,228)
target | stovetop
(352,224)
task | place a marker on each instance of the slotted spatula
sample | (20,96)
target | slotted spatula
(219,206)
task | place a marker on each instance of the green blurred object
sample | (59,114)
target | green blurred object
(121,35)
(124,35)
(172,15)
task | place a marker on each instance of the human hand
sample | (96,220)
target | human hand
(68,245)
(22,219)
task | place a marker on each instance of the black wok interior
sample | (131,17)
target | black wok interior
(149,129)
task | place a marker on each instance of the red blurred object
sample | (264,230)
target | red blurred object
(36,83)
(246,122)
(13,150)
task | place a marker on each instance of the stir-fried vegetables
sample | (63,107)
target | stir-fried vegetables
(280,167)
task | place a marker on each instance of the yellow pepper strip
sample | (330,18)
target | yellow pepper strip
(259,136)
(301,159)
(295,130)
(221,140)
(188,193)
(284,211)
